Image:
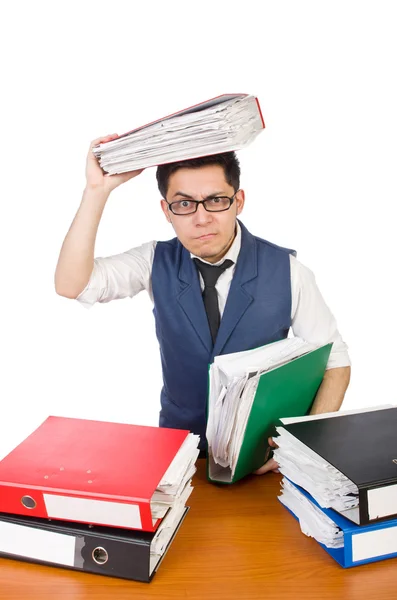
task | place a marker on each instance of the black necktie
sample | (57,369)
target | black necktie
(210,274)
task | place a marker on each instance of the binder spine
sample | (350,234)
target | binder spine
(29,502)
(348,550)
(146,518)
(363,506)
(260,113)
(116,558)
(91,549)
(375,542)
(22,501)
(113,558)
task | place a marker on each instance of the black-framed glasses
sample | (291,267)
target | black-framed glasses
(211,204)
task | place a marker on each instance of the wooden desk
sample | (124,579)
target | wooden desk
(236,542)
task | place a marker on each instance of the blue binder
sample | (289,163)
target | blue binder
(362,543)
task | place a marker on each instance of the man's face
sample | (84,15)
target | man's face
(206,234)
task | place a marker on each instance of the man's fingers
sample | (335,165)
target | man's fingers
(272,443)
(270,465)
(124,177)
(103,139)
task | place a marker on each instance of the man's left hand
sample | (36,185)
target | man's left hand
(271,464)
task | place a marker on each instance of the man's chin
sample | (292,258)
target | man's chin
(205,252)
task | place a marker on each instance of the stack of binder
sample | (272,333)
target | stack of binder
(222,124)
(340,481)
(99,497)
(249,392)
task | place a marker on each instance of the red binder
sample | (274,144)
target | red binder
(88,471)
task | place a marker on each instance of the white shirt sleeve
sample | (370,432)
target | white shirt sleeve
(311,318)
(120,276)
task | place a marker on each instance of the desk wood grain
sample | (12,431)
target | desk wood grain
(236,542)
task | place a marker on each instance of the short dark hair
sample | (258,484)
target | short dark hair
(227,160)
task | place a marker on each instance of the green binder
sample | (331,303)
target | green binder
(286,391)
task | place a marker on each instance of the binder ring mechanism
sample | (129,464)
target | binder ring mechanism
(100,555)
(28,502)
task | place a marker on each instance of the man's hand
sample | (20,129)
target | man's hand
(96,178)
(271,464)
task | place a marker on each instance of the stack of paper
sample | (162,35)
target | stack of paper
(234,380)
(168,526)
(176,481)
(340,481)
(346,542)
(326,484)
(225,123)
(329,457)
(314,522)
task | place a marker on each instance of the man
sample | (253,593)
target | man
(216,288)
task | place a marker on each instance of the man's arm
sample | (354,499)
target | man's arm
(76,259)
(313,321)
(329,398)
(332,390)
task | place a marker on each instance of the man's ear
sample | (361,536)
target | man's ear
(164,206)
(240,199)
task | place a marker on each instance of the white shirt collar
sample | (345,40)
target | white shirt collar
(233,251)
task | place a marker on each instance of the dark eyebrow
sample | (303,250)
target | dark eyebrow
(191,197)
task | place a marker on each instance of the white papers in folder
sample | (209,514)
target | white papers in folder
(233,380)
(224,124)
(313,522)
(176,481)
(328,486)
(167,528)
(173,516)
(183,463)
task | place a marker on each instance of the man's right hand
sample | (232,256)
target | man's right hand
(96,178)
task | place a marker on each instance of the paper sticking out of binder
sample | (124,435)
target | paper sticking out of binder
(349,544)
(249,392)
(226,123)
(344,460)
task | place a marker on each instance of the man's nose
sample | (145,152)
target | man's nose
(202,216)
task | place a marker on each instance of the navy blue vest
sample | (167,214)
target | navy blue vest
(257,312)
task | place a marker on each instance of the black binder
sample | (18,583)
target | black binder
(362,446)
(94,549)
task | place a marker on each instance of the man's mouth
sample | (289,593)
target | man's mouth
(206,236)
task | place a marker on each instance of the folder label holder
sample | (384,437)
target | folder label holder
(370,544)
(87,510)
(382,501)
(36,544)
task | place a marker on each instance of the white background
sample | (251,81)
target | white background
(320,179)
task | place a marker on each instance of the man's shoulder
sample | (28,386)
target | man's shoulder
(264,243)
(167,250)
(273,246)
(170,245)
(172,242)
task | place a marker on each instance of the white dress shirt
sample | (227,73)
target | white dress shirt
(126,274)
